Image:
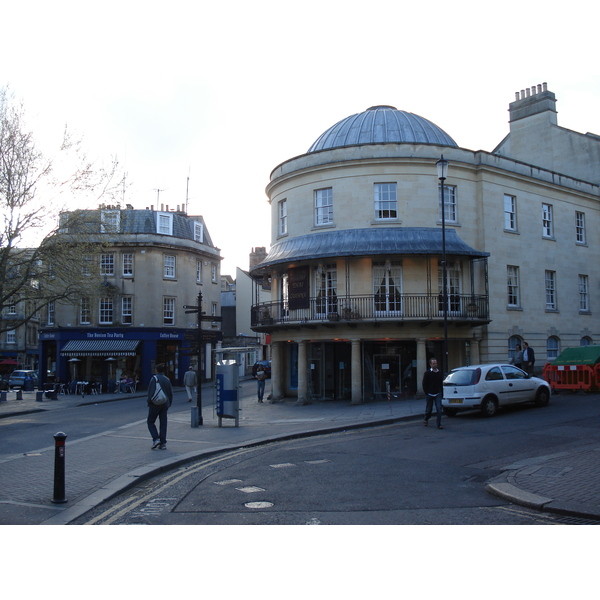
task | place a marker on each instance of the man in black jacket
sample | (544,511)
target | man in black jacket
(528,358)
(432,386)
(159,440)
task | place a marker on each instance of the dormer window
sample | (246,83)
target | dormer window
(198,231)
(110,221)
(164,223)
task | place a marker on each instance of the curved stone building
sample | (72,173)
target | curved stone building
(358,240)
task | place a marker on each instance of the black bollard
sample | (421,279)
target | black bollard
(59,467)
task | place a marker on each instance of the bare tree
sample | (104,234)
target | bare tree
(38,265)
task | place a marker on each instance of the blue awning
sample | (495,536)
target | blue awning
(100,348)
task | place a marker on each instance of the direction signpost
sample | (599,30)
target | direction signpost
(196,416)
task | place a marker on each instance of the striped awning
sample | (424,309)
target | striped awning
(100,348)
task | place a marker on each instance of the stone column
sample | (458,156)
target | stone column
(277,382)
(475,359)
(421,364)
(302,373)
(356,370)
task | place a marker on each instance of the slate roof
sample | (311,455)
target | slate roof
(389,241)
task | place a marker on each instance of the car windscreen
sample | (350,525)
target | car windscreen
(463,377)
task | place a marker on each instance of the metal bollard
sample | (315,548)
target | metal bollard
(59,467)
(39,396)
(3,396)
(19,394)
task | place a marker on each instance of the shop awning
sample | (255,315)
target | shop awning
(100,348)
(579,355)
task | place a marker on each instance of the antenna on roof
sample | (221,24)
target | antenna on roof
(158,194)
(187,190)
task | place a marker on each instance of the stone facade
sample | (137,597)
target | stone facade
(131,313)
(523,262)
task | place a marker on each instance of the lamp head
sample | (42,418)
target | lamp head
(442,168)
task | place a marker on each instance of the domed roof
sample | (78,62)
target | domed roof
(382,125)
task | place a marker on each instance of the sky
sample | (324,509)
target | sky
(202,100)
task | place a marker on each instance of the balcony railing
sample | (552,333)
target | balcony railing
(466,308)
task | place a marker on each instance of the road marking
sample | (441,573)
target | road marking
(128,505)
(258,504)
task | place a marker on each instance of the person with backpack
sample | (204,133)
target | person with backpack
(261,376)
(160,397)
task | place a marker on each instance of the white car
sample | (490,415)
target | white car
(487,387)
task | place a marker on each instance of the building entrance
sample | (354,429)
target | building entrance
(329,376)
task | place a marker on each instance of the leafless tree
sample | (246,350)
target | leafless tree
(39,265)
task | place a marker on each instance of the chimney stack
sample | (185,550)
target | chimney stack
(533,101)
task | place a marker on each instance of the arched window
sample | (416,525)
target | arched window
(513,340)
(585,341)
(552,347)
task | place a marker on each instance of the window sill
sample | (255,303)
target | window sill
(513,231)
(519,308)
(552,310)
(386,222)
(452,223)
(326,226)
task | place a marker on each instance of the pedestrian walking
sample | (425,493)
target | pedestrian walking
(261,376)
(528,358)
(517,359)
(160,397)
(190,380)
(433,388)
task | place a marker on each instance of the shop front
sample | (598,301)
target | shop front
(112,361)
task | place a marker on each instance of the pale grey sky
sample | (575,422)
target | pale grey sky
(224,92)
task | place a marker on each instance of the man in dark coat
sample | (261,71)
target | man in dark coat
(432,386)
(159,439)
(528,358)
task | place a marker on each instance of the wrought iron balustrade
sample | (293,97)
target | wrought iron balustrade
(374,307)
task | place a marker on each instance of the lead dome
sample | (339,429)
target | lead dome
(382,125)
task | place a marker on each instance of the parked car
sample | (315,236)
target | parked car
(266,366)
(488,387)
(17,378)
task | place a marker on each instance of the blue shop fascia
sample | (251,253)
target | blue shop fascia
(103,357)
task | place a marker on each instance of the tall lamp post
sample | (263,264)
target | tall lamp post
(442,169)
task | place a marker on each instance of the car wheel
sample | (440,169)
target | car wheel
(542,397)
(450,412)
(489,406)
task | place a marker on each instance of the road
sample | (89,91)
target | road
(396,474)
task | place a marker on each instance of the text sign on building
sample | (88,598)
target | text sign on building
(298,288)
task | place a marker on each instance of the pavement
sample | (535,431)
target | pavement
(101,466)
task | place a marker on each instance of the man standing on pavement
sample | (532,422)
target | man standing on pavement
(432,386)
(190,380)
(528,358)
(160,397)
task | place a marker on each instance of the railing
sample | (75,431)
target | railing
(398,307)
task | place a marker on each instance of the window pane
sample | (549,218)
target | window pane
(324,206)
(449,202)
(386,206)
(169,311)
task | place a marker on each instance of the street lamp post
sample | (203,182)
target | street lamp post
(442,168)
